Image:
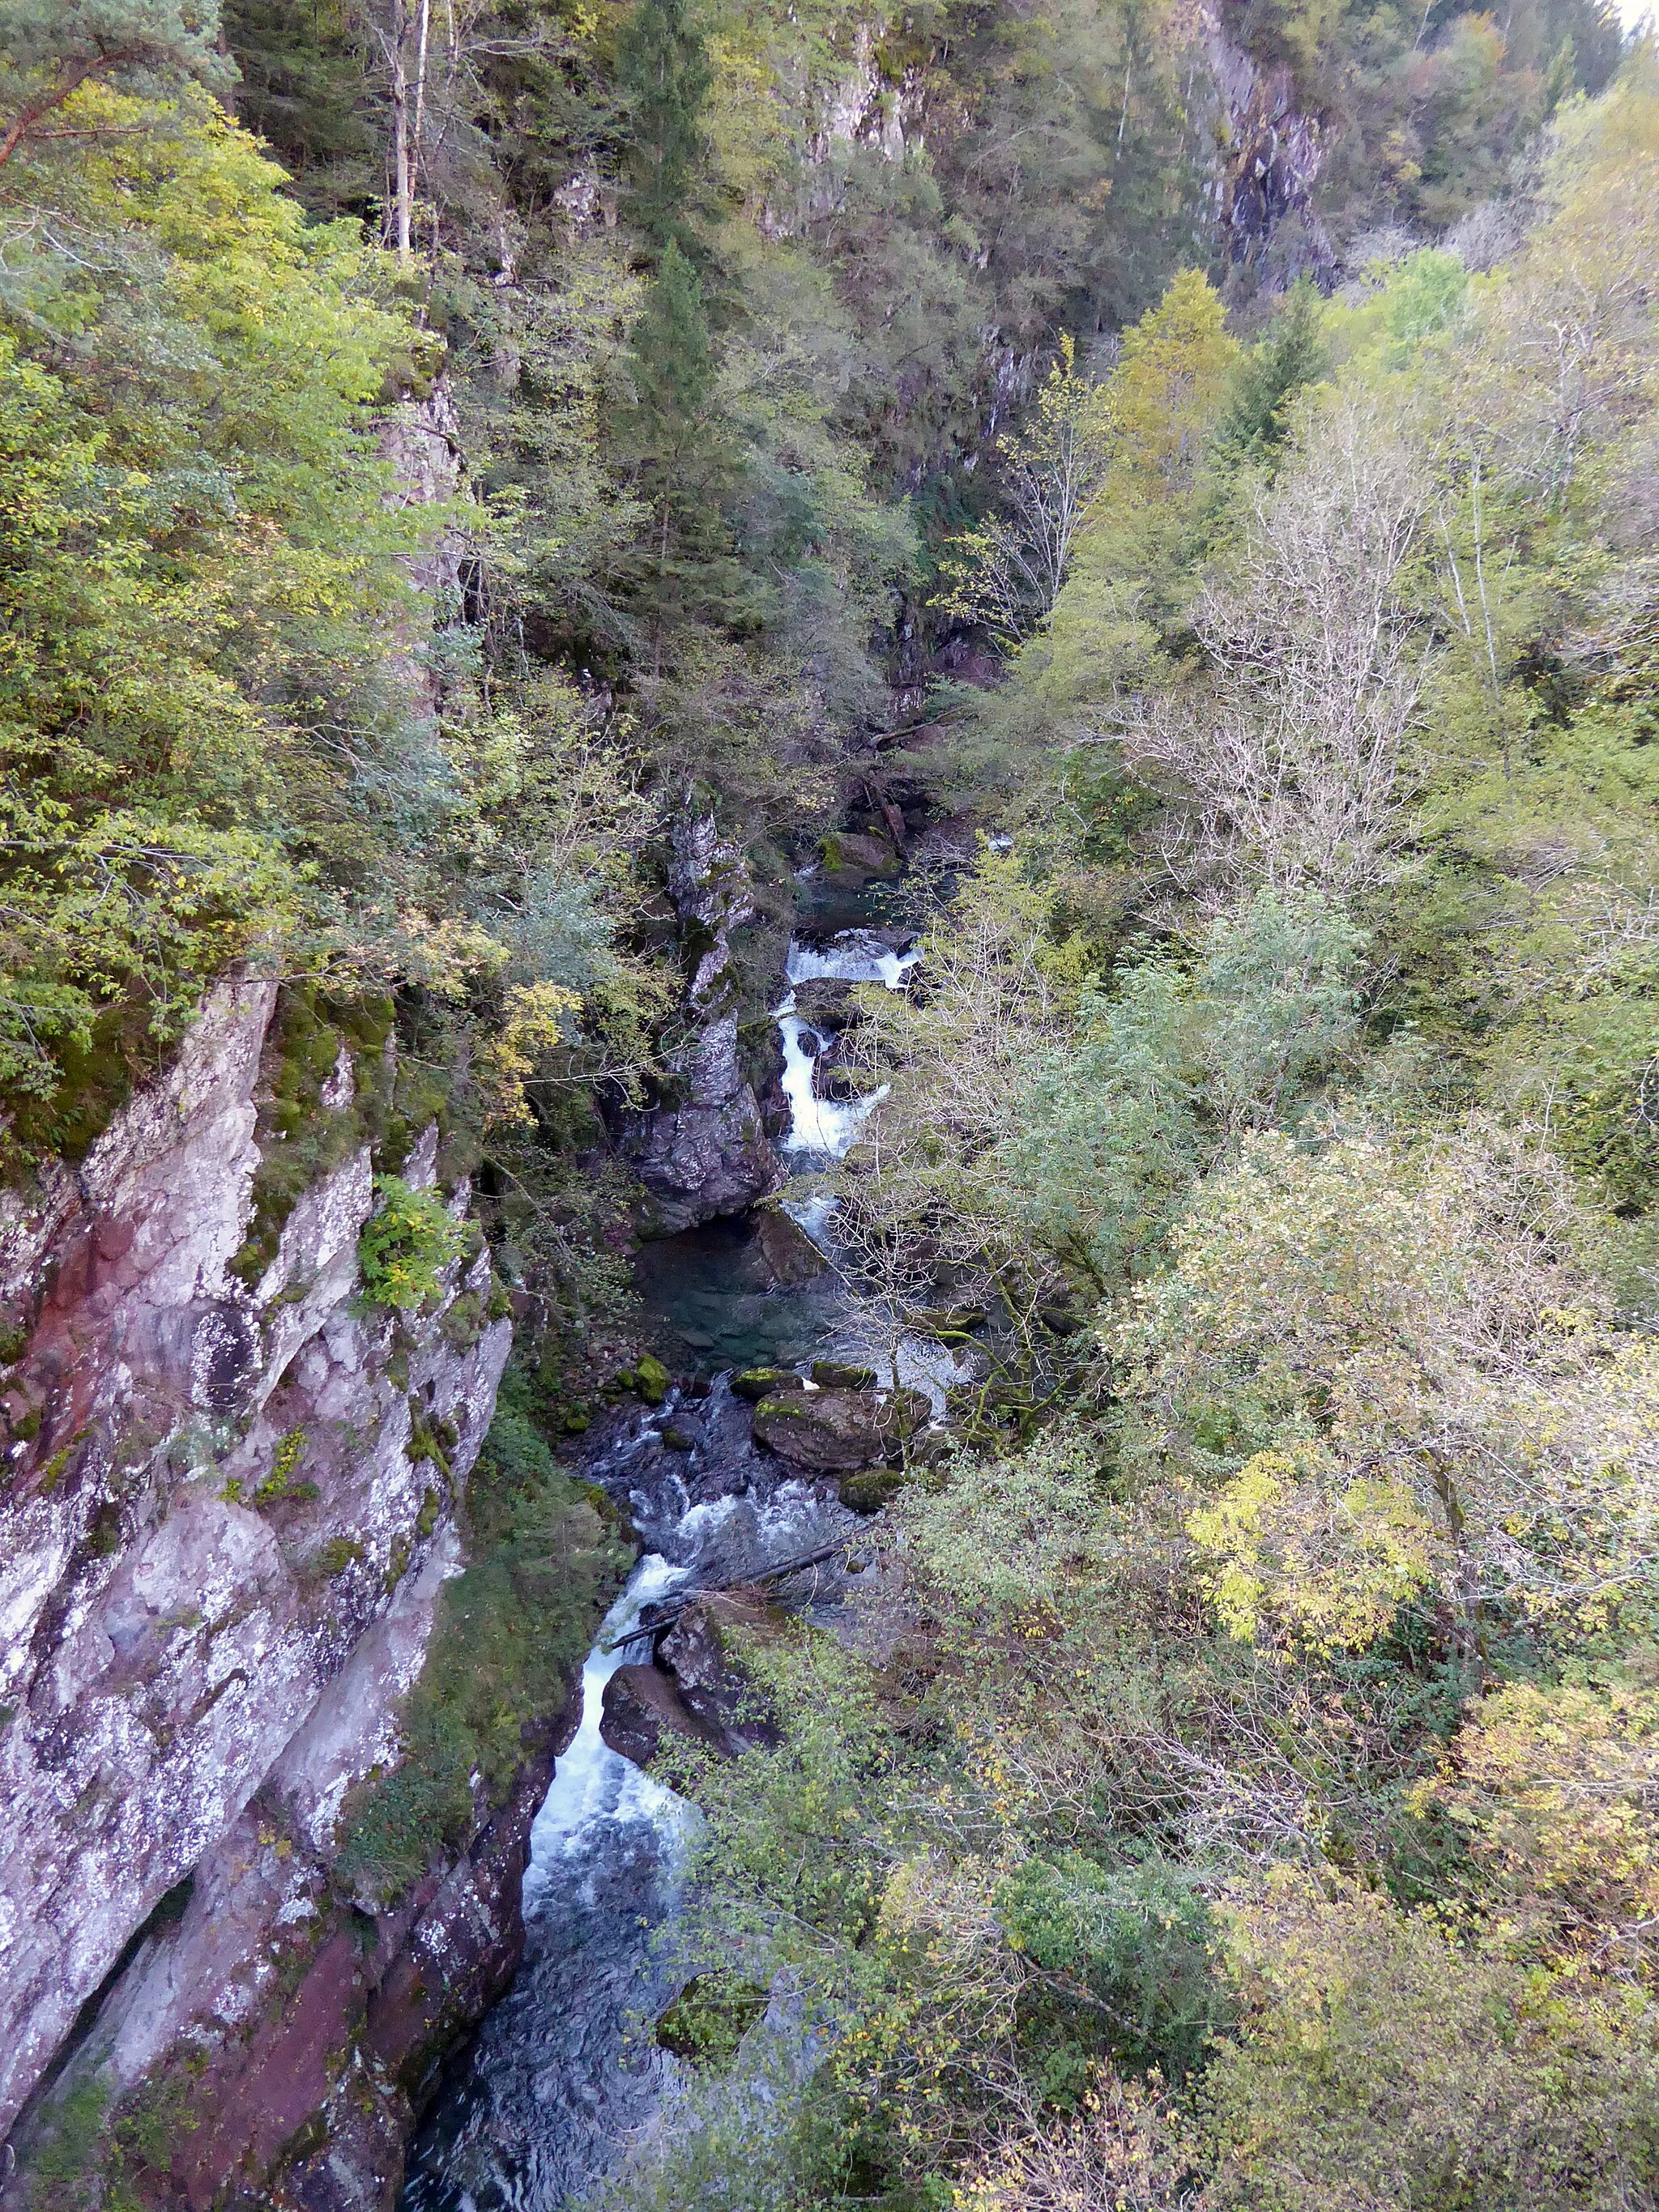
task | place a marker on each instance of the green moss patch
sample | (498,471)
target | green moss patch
(511,1633)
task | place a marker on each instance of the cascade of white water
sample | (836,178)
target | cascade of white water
(561,2074)
(829,1128)
(817,1125)
(857,956)
(591,1781)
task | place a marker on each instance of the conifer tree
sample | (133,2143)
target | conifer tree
(662,63)
(50,48)
(1290,354)
(680,450)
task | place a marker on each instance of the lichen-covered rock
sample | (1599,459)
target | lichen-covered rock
(836,1431)
(226,1513)
(652,1379)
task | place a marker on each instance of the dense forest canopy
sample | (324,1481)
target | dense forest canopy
(1210,454)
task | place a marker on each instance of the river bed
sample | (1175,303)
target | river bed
(564,2070)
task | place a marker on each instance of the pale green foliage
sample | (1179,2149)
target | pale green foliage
(50,48)
(1035,1116)
(198,534)
(1335,1564)
(1012,1537)
(1160,1075)
(1006,575)
(1411,1314)
(1377,2064)
(1555,1790)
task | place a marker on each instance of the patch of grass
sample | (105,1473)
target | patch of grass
(63,2164)
(282,1481)
(299,1138)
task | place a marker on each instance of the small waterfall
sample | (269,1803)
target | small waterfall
(593,1783)
(827,1128)
(563,2070)
(857,956)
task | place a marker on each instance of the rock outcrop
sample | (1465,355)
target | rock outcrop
(704,1151)
(227,1513)
(1269,153)
(694,1686)
(837,1430)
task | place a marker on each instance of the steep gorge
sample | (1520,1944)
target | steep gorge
(484,970)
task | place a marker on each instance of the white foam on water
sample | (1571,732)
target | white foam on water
(825,1126)
(815,1215)
(591,1781)
(857,956)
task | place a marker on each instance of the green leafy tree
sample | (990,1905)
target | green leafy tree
(1006,575)
(49,49)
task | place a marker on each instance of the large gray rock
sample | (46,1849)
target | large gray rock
(790,1255)
(835,1431)
(694,1687)
(704,1151)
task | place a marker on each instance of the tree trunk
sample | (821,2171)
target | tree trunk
(402,181)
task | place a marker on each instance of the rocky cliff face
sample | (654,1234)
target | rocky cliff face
(704,1151)
(227,1513)
(1268,155)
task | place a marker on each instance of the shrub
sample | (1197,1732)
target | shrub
(406,1244)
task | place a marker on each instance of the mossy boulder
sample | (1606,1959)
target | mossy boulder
(758,1383)
(652,1379)
(869,1492)
(836,1431)
(846,853)
(831,1375)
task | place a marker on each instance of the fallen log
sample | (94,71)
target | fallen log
(671,1608)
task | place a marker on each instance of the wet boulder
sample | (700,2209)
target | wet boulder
(640,1701)
(758,1383)
(846,853)
(834,1432)
(833,1374)
(711,1682)
(790,1255)
(825,1001)
(695,1688)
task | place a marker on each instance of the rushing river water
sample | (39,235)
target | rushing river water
(563,2071)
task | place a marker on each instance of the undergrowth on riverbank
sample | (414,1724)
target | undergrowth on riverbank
(512,1632)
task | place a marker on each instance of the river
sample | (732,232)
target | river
(564,2069)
